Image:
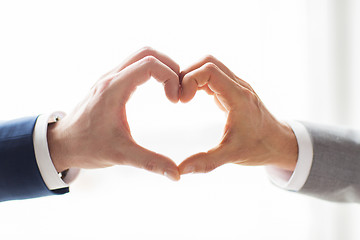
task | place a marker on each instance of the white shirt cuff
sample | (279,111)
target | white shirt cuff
(294,181)
(47,169)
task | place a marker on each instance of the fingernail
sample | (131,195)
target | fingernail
(188,169)
(170,176)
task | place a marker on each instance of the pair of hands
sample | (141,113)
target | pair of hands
(97,135)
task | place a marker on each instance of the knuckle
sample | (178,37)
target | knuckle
(252,98)
(147,50)
(248,94)
(248,86)
(243,83)
(209,58)
(210,67)
(150,165)
(209,166)
(149,60)
(101,86)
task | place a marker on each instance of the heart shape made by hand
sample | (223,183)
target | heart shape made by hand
(248,127)
(97,134)
(177,131)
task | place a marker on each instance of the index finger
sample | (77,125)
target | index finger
(226,89)
(143,52)
(220,65)
(204,60)
(126,81)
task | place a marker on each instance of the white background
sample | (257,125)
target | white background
(52,52)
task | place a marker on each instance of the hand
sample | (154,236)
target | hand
(97,135)
(252,136)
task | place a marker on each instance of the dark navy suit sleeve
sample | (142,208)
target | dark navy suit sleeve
(20,177)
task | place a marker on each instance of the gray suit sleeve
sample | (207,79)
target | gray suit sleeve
(335,172)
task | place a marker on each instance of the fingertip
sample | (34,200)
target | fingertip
(186,166)
(181,95)
(172,90)
(172,175)
(143,158)
(184,100)
(176,97)
(188,169)
(202,162)
(187,93)
(173,99)
(189,88)
(172,171)
(172,93)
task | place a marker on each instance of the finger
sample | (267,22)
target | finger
(126,81)
(204,162)
(206,89)
(140,157)
(209,59)
(148,51)
(219,64)
(226,89)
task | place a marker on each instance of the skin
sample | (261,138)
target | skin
(97,135)
(252,135)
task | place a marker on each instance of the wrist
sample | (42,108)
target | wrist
(56,146)
(286,153)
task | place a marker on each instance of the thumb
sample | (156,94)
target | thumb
(140,157)
(204,162)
